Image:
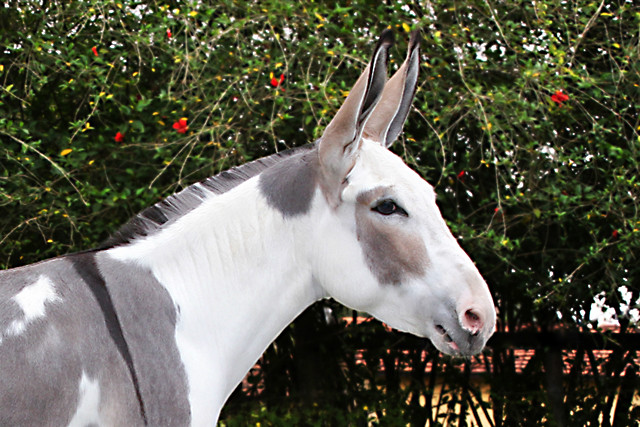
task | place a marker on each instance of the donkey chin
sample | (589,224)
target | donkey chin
(463,328)
(456,329)
(462,336)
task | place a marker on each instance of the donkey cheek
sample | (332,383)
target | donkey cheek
(392,256)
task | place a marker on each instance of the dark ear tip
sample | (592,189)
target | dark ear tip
(415,39)
(386,37)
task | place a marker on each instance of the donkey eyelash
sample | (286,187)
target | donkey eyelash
(388,207)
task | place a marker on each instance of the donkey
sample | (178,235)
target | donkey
(159,325)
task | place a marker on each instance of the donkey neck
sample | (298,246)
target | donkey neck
(238,272)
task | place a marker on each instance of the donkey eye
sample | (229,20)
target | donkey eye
(389,207)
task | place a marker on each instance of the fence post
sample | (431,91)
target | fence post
(553,367)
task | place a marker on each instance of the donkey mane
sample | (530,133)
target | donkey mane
(153,218)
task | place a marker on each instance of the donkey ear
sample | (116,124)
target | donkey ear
(391,112)
(340,141)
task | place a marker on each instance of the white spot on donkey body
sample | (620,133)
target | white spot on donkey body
(31,300)
(87,412)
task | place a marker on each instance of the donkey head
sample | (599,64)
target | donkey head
(386,248)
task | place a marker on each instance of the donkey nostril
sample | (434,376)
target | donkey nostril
(471,316)
(441,329)
(472,322)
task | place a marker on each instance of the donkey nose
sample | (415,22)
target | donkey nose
(472,321)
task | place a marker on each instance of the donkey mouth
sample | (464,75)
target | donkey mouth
(447,339)
(458,343)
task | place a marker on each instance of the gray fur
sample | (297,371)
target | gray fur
(9,310)
(290,185)
(391,255)
(148,318)
(48,359)
(87,268)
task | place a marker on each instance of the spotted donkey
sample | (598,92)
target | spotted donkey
(159,325)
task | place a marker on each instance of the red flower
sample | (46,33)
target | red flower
(169,32)
(559,97)
(181,125)
(95,50)
(275,82)
(461,175)
(614,234)
(119,137)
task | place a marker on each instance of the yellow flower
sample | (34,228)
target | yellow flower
(65,151)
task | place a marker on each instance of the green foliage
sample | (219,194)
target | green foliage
(543,194)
